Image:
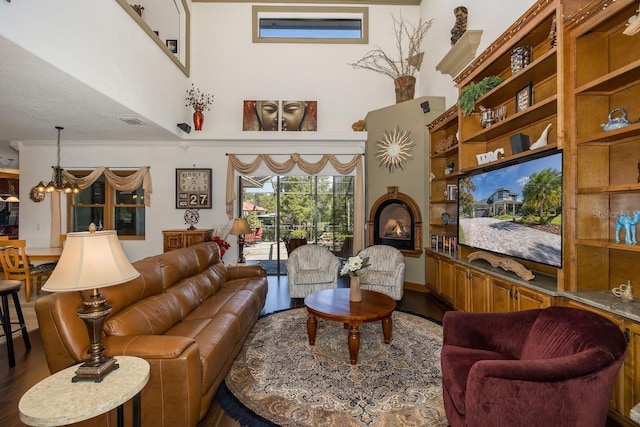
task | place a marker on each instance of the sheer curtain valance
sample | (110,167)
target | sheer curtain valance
(311,168)
(141,177)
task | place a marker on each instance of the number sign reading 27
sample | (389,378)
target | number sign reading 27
(198,199)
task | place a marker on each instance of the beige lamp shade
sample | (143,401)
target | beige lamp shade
(240,226)
(90,261)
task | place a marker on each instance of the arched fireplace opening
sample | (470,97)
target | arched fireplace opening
(395,220)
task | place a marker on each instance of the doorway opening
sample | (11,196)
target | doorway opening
(279,209)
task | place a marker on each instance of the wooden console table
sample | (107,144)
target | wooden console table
(176,239)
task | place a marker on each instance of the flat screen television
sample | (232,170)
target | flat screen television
(514,209)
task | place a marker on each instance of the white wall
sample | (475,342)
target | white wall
(163,158)
(225,62)
(100,45)
(493,17)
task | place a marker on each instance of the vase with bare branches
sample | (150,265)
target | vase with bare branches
(402,69)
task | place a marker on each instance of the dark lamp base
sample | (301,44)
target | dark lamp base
(90,372)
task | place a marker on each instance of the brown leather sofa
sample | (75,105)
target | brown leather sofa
(187,314)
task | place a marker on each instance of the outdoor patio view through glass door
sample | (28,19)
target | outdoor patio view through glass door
(281,209)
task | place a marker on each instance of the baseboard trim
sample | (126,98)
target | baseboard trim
(416,287)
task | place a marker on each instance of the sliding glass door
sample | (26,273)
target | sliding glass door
(315,209)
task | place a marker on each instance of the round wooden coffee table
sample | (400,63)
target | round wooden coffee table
(334,304)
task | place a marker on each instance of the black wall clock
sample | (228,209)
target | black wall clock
(193,188)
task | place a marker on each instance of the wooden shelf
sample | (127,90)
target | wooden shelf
(527,153)
(450,152)
(452,176)
(538,70)
(615,136)
(611,189)
(612,82)
(610,244)
(546,109)
(444,201)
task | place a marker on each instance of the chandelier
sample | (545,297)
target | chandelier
(58,182)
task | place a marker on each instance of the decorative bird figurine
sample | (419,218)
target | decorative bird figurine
(542,141)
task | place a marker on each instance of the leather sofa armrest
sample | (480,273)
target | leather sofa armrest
(504,333)
(244,271)
(147,346)
(172,397)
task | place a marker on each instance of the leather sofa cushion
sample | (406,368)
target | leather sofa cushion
(151,316)
(147,284)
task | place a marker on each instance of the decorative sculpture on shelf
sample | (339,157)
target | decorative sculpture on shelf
(460,27)
(624,291)
(629,223)
(542,141)
(617,122)
(505,263)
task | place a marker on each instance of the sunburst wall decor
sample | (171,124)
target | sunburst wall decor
(394,149)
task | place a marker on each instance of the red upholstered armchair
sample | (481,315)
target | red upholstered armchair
(549,367)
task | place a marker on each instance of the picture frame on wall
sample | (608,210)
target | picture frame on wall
(172,45)
(524,97)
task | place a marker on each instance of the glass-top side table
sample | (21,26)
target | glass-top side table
(56,400)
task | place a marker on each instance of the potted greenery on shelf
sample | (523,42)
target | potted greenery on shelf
(474,91)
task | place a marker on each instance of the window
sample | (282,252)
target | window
(107,208)
(291,24)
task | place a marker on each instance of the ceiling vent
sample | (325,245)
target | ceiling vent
(134,121)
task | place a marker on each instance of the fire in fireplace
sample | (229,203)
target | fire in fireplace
(395,220)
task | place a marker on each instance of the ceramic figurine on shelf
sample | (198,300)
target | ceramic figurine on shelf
(616,122)
(542,141)
(629,223)
(624,291)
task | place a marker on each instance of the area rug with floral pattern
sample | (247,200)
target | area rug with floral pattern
(279,379)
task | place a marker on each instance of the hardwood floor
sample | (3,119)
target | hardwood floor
(31,366)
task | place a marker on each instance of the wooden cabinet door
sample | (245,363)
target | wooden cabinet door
(432,271)
(194,238)
(478,292)
(172,241)
(500,296)
(460,292)
(527,299)
(447,280)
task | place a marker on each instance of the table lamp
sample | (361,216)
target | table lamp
(89,261)
(240,227)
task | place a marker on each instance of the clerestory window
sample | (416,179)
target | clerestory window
(300,24)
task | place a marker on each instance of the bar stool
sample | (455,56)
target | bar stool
(11,287)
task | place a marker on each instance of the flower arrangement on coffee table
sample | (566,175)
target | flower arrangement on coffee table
(354,265)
